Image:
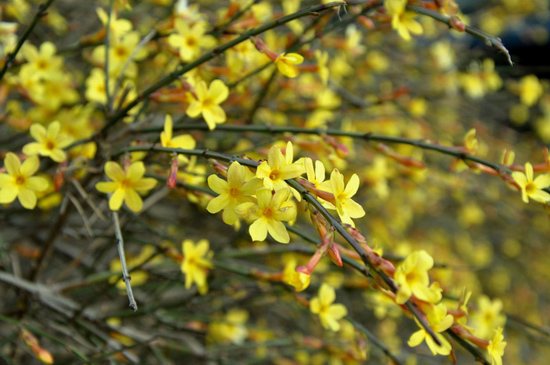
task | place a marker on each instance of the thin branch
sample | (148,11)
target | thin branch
(11,56)
(489,40)
(107,46)
(269,129)
(125,275)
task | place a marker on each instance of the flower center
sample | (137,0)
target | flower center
(234,192)
(268,212)
(531,188)
(275,175)
(50,145)
(20,180)
(191,41)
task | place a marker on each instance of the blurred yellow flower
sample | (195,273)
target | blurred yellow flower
(532,188)
(329,313)
(439,321)
(195,264)
(184,141)
(496,347)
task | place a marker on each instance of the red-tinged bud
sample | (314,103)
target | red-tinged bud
(546,159)
(59,177)
(334,255)
(340,149)
(366,22)
(456,23)
(189,88)
(126,162)
(233,8)
(27,252)
(312,342)
(172,253)
(43,355)
(28,338)
(452,356)
(356,234)
(173,178)
(262,47)
(303,269)
(220,168)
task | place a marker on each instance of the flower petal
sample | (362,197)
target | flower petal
(218,91)
(116,199)
(27,198)
(29,166)
(12,164)
(258,230)
(133,200)
(106,186)
(38,132)
(114,171)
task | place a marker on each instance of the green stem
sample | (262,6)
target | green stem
(451,151)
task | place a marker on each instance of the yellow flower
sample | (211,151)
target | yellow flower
(329,313)
(279,168)
(439,321)
(487,317)
(183,141)
(43,64)
(232,192)
(19,182)
(402,20)
(286,63)
(530,90)
(207,103)
(532,188)
(268,214)
(496,347)
(49,142)
(125,186)
(315,175)
(412,278)
(344,205)
(231,329)
(322,67)
(298,280)
(190,40)
(195,264)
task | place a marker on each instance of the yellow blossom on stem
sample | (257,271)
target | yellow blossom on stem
(232,192)
(207,103)
(287,64)
(125,185)
(402,20)
(412,278)
(19,182)
(269,214)
(343,204)
(315,175)
(496,347)
(190,39)
(49,142)
(487,317)
(231,329)
(530,90)
(279,168)
(532,188)
(329,313)
(184,141)
(195,264)
(43,63)
(439,321)
(299,280)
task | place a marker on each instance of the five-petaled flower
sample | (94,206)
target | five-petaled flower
(329,313)
(279,168)
(195,264)
(344,205)
(125,185)
(208,102)
(402,20)
(190,39)
(269,214)
(49,142)
(287,63)
(532,188)
(299,280)
(232,192)
(19,182)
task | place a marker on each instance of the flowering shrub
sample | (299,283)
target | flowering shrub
(316,182)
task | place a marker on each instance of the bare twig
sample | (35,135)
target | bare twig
(125,275)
